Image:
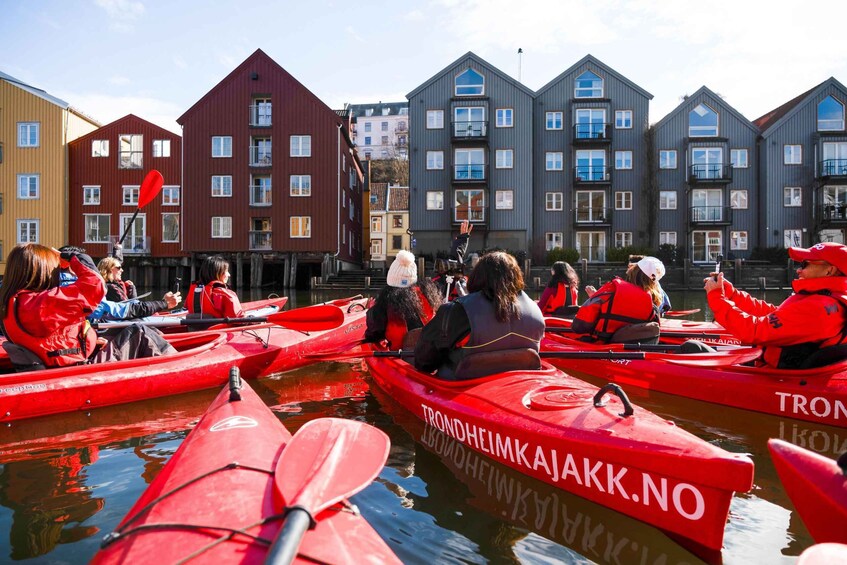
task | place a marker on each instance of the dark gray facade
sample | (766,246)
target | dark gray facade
(596,120)
(706,190)
(803,169)
(455,172)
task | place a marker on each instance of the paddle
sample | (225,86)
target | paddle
(150,187)
(139,297)
(674,334)
(682,312)
(312,318)
(326,461)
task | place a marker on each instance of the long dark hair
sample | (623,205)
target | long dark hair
(29,266)
(565,274)
(213,269)
(499,278)
(636,276)
(404,301)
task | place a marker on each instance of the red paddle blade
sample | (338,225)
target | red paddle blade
(310,319)
(681,312)
(328,460)
(150,187)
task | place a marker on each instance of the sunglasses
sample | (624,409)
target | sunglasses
(804,264)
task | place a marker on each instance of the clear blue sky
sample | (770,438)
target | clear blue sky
(155,58)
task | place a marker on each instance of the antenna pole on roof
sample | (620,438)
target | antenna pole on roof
(520,54)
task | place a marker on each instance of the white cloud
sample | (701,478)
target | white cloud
(107,109)
(413,16)
(351,31)
(122,13)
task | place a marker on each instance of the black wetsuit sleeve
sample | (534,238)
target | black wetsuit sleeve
(449,326)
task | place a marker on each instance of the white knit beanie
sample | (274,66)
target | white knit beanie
(403,271)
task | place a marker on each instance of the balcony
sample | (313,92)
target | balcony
(711,215)
(472,131)
(591,216)
(260,116)
(592,174)
(261,195)
(470,173)
(260,156)
(260,241)
(832,169)
(134,245)
(833,214)
(713,173)
(474,213)
(593,133)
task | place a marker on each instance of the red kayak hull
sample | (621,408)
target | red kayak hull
(543,424)
(222,479)
(815,395)
(816,486)
(279,302)
(202,362)
(676,331)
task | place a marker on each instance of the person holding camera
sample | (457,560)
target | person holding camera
(450,273)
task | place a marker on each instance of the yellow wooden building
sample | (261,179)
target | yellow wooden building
(35,129)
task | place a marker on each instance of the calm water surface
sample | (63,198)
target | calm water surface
(66,481)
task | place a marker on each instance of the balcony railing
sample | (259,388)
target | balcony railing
(592,174)
(710,173)
(260,241)
(592,216)
(134,245)
(131,160)
(470,173)
(834,213)
(260,156)
(260,116)
(715,215)
(260,195)
(471,213)
(593,132)
(470,130)
(829,168)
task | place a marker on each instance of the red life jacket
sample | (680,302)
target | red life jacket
(793,356)
(617,304)
(564,296)
(396,328)
(70,345)
(200,300)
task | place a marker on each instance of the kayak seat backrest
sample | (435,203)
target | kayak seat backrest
(647,332)
(493,362)
(825,356)
(22,358)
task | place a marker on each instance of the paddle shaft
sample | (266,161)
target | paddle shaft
(287,542)
(701,335)
(184,322)
(546,354)
(128,226)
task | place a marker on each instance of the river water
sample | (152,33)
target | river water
(66,481)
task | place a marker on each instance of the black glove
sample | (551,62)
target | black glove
(81,257)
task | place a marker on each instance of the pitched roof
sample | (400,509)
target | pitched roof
(770,119)
(44,95)
(357,110)
(472,56)
(720,101)
(378,192)
(398,199)
(597,62)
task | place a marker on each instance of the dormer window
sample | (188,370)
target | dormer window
(702,122)
(386,111)
(830,115)
(588,85)
(470,83)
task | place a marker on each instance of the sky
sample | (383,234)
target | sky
(156,58)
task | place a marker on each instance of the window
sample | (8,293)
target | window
(738,240)
(384,125)
(384,140)
(130,195)
(469,121)
(396,242)
(667,159)
(161,148)
(504,118)
(170,196)
(591,206)
(738,199)
(591,245)
(300,185)
(27,231)
(470,83)
(397,221)
(131,151)
(470,164)
(376,247)
(301,226)
(588,85)
(667,238)
(260,234)
(261,152)
(590,124)
(623,119)
(623,159)
(554,240)
(469,205)
(90,195)
(301,146)
(28,134)
(435,160)
(261,193)
(554,161)
(170,228)
(792,238)
(434,200)
(591,166)
(834,159)
(702,122)
(623,200)
(553,201)
(830,115)
(667,200)
(404,111)
(368,127)
(504,159)
(96,228)
(504,200)
(222,186)
(434,119)
(738,158)
(261,112)
(221,227)
(369,112)
(28,187)
(623,239)
(367,140)
(707,163)
(100,148)
(706,205)
(222,146)
(792,197)
(554,120)
(706,246)
(793,155)
(376,223)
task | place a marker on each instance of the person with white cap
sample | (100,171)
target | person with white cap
(654,266)
(405,304)
(811,320)
(630,304)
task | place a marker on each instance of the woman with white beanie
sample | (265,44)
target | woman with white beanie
(405,304)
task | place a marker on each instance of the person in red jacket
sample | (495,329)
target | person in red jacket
(560,296)
(812,318)
(209,297)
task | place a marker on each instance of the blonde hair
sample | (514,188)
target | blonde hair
(105,267)
(639,278)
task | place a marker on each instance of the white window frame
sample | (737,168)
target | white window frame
(623,200)
(738,240)
(554,161)
(456,87)
(32,190)
(623,239)
(104,238)
(161,148)
(504,200)
(435,160)
(697,131)
(24,138)
(131,151)
(176,215)
(593,89)
(296,185)
(667,238)
(739,199)
(262,190)
(224,227)
(301,146)
(504,118)
(221,191)
(554,201)
(623,160)
(792,154)
(221,146)
(668,200)
(829,125)
(130,194)
(19,224)
(667,159)
(623,119)
(170,195)
(554,120)
(100,148)
(792,238)
(504,159)
(736,161)
(434,199)
(376,247)
(435,119)
(554,240)
(792,197)
(90,195)
(713,245)
(302,225)
(376,224)
(474,213)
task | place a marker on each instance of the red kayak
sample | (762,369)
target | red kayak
(219,500)
(201,362)
(816,395)
(545,424)
(673,331)
(817,486)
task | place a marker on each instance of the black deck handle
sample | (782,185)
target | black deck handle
(612,387)
(234,384)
